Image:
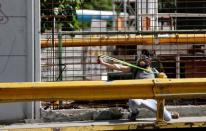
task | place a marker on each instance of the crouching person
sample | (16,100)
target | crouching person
(149,73)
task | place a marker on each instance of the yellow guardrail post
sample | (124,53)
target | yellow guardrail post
(160,111)
(160,103)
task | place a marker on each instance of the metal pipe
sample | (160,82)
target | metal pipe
(60,56)
(136,40)
(141,21)
(115,17)
(53,39)
(137,23)
(184,15)
(156,21)
(201,15)
(178,65)
(200,31)
(125,16)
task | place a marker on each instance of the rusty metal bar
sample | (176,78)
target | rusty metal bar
(133,40)
(195,31)
(160,110)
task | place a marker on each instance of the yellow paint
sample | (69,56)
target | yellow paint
(159,89)
(102,90)
(118,126)
(180,88)
(133,40)
(160,111)
(76,90)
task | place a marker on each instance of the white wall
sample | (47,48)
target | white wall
(19,52)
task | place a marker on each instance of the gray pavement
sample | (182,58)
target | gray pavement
(58,125)
(115,113)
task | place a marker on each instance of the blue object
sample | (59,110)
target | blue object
(88,15)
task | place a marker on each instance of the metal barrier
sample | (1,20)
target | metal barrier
(129,40)
(159,89)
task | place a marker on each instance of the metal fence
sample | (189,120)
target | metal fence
(172,32)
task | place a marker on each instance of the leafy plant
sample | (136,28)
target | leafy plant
(97,4)
(64,12)
(167,6)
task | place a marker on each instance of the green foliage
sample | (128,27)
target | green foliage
(167,6)
(64,12)
(97,4)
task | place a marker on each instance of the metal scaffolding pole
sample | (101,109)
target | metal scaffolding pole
(125,15)
(114,12)
(136,40)
(195,31)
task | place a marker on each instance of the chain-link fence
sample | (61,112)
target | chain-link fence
(75,33)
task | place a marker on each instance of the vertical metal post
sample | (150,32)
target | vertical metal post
(114,13)
(147,7)
(147,11)
(160,105)
(125,14)
(83,59)
(155,19)
(37,50)
(141,12)
(60,78)
(175,19)
(156,15)
(177,65)
(160,110)
(138,16)
(53,42)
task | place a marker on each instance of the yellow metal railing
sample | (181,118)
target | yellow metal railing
(159,89)
(131,40)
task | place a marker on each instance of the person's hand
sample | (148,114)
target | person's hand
(100,60)
(162,75)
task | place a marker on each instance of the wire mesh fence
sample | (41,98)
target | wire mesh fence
(75,33)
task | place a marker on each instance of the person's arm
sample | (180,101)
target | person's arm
(115,66)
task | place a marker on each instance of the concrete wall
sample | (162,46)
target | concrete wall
(19,52)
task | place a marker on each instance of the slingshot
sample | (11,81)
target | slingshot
(123,62)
